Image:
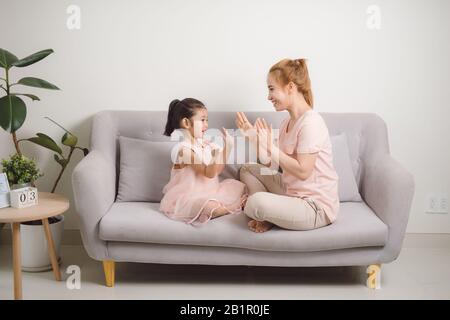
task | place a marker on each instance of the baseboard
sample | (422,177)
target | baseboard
(70,237)
(427,240)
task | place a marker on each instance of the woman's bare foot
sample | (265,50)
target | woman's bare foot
(259,226)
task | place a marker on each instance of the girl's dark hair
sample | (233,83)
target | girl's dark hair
(179,110)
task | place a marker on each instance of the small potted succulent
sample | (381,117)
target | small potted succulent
(21,171)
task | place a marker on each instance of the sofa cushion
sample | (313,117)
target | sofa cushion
(356,226)
(347,188)
(144,169)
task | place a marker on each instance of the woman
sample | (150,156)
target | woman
(305,195)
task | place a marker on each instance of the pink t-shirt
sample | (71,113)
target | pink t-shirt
(309,134)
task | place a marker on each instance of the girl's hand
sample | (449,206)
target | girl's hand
(227,139)
(246,128)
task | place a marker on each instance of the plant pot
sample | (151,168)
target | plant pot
(35,257)
(20,185)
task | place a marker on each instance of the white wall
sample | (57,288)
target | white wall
(142,54)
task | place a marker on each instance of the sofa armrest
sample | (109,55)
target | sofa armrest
(388,189)
(94,188)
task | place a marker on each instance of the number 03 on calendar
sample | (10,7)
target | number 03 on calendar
(24,197)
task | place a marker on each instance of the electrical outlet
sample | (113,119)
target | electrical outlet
(443,204)
(437,203)
(432,203)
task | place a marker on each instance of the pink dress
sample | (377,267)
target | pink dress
(187,194)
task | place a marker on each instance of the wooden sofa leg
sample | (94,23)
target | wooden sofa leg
(109,269)
(374,276)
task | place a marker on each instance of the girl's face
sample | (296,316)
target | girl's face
(198,123)
(279,95)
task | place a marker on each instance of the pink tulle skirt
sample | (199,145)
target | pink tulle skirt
(192,198)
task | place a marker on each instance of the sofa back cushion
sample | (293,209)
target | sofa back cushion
(144,169)
(348,189)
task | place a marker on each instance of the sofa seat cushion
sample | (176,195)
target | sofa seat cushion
(356,226)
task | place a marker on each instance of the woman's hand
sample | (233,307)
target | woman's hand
(246,128)
(265,142)
(265,135)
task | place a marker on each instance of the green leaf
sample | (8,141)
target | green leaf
(7,59)
(31,96)
(45,141)
(38,83)
(10,176)
(62,162)
(12,113)
(57,159)
(69,139)
(35,57)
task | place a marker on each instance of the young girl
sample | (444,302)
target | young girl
(194,194)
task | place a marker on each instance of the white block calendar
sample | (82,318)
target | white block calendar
(4,191)
(24,197)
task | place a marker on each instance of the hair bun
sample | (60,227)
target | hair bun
(300,61)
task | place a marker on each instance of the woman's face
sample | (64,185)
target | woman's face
(278,94)
(199,123)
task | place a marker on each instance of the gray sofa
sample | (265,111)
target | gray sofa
(367,233)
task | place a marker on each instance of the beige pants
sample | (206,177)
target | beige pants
(268,201)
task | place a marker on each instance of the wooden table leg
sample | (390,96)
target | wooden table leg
(51,250)
(17,263)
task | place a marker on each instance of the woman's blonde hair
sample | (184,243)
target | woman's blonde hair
(288,70)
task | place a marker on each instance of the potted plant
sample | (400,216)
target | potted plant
(13,113)
(21,171)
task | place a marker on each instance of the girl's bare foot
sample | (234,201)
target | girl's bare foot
(244,202)
(259,226)
(221,211)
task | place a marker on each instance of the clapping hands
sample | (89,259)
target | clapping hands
(260,132)
(265,134)
(227,139)
(245,127)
